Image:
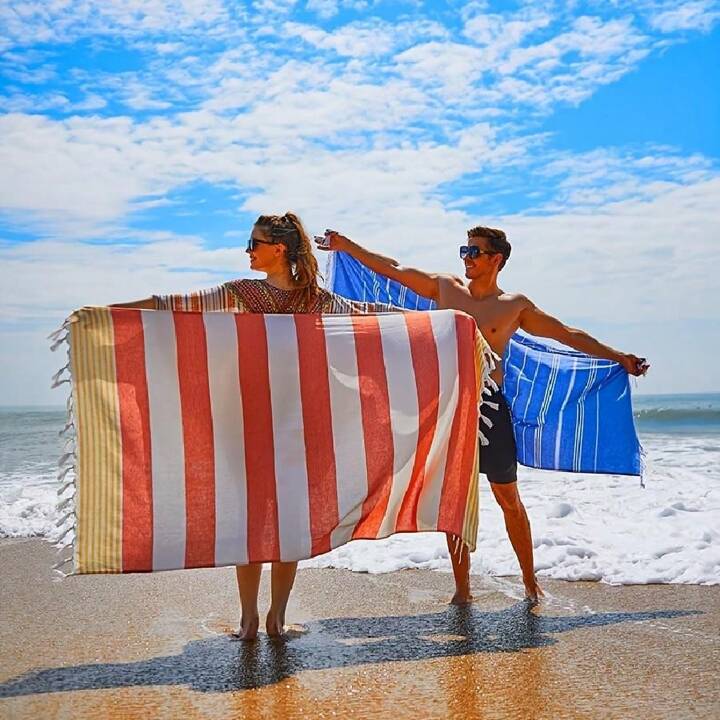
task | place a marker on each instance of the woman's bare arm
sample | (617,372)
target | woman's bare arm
(146,304)
(421,282)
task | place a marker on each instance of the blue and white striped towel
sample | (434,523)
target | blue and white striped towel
(570,411)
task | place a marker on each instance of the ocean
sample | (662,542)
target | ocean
(585,527)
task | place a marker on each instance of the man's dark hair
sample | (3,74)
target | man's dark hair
(496,239)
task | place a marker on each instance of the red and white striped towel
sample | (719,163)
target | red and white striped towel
(208,439)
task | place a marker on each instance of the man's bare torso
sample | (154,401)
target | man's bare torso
(497,317)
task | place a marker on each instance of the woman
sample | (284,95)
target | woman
(279,247)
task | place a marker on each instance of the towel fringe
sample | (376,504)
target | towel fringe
(62,339)
(65,486)
(67,427)
(66,516)
(493,405)
(66,505)
(643,466)
(62,563)
(64,327)
(59,541)
(57,375)
(488,385)
(65,501)
(65,457)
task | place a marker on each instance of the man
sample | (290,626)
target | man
(498,315)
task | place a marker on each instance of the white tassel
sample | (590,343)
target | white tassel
(65,518)
(60,564)
(62,475)
(55,334)
(68,426)
(64,458)
(492,384)
(57,375)
(487,421)
(65,502)
(493,405)
(643,466)
(59,542)
(59,342)
(483,440)
(66,486)
(58,383)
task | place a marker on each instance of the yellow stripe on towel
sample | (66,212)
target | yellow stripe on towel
(98,544)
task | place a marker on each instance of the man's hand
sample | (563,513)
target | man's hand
(634,365)
(332,241)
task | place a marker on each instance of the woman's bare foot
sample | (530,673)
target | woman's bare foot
(462,597)
(533,592)
(275,622)
(248,629)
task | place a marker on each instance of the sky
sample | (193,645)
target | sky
(139,140)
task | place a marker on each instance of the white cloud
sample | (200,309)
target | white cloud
(368,38)
(596,178)
(363,127)
(324,8)
(701,15)
(279,7)
(46,21)
(25,102)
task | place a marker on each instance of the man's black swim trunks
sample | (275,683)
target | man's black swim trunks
(498,460)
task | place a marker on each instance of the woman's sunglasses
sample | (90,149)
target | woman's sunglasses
(252,243)
(278,235)
(473,252)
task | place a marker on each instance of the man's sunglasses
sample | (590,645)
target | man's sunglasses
(474,252)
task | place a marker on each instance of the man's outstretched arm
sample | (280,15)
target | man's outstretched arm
(536,322)
(423,283)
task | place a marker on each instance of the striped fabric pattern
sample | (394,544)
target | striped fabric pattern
(209,439)
(570,411)
(259,296)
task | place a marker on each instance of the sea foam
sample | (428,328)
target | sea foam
(585,527)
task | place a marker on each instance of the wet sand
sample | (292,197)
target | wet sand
(372,646)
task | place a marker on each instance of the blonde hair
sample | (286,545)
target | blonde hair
(288,230)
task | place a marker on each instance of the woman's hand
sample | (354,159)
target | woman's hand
(332,240)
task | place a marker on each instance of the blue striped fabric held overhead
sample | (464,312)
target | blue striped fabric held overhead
(570,411)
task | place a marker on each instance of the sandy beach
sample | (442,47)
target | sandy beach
(156,646)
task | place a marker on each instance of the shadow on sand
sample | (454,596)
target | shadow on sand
(220,664)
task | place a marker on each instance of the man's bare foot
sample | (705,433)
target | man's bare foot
(462,597)
(275,623)
(248,629)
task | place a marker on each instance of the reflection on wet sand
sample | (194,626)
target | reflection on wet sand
(383,649)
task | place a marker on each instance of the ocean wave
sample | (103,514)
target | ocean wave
(679,416)
(585,527)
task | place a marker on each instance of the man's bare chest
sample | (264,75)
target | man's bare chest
(496,318)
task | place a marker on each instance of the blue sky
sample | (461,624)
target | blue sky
(140,140)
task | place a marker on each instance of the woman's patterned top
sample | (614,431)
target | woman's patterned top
(259,296)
